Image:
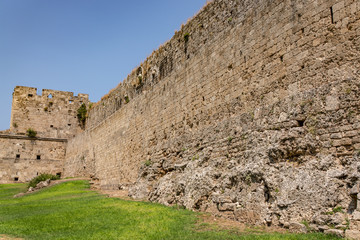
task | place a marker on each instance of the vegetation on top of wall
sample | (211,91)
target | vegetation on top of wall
(81,115)
(31,133)
(186,37)
(42,177)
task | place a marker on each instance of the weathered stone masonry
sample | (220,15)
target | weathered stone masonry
(250,111)
(53,115)
(22,157)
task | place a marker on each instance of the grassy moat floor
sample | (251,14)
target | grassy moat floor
(71,211)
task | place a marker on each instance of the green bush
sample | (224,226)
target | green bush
(81,115)
(42,177)
(31,133)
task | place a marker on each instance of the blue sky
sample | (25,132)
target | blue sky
(82,46)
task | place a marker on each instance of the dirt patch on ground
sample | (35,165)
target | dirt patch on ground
(4,237)
(122,194)
(211,222)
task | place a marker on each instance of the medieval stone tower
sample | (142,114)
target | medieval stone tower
(53,116)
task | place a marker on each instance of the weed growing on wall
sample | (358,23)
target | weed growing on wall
(186,37)
(81,115)
(31,133)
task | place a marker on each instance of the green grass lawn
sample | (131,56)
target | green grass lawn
(70,211)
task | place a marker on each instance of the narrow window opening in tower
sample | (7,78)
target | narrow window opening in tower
(17,156)
(50,96)
(38,157)
(332,15)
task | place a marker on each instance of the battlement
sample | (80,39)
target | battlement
(51,114)
(31,94)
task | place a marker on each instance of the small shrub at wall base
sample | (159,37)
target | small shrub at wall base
(31,133)
(42,177)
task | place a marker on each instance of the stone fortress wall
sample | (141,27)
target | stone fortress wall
(251,111)
(53,115)
(22,158)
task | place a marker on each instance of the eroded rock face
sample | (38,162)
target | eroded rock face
(283,173)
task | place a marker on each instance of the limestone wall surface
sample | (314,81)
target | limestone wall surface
(251,111)
(22,158)
(51,114)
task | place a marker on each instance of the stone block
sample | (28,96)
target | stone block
(226,206)
(351,134)
(356,216)
(342,142)
(332,103)
(336,136)
(336,232)
(297,227)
